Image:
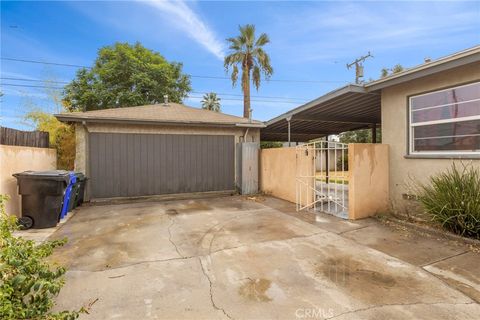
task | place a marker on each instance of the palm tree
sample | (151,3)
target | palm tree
(248,52)
(211,102)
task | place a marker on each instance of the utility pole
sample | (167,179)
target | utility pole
(358,63)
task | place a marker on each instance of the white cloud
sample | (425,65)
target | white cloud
(342,29)
(182,17)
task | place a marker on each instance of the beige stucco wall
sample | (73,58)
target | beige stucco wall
(394,131)
(368,180)
(14,159)
(81,158)
(279,168)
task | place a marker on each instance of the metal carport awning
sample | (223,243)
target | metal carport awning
(346,109)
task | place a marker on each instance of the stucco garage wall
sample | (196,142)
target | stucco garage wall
(81,159)
(14,159)
(394,131)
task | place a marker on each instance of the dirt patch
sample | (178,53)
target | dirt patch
(255,290)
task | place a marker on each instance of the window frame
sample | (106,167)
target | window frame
(438,154)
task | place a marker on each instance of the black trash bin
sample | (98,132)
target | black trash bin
(42,197)
(81,180)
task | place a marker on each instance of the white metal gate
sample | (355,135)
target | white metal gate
(322,177)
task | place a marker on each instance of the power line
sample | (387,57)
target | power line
(46,62)
(241,95)
(193,76)
(195,92)
(29,86)
(33,80)
(189,96)
(253,100)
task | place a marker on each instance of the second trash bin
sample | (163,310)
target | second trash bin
(68,199)
(42,196)
(81,180)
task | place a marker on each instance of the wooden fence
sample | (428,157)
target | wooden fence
(13,137)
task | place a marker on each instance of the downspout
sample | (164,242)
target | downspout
(87,160)
(245,135)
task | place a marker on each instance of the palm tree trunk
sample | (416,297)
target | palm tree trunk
(246,94)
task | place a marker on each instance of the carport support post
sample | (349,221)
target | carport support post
(288,121)
(374,133)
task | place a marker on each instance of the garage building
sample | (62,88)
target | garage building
(158,149)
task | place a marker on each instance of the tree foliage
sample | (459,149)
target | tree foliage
(270,144)
(28,282)
(125,75)
(385,72)
(211,102)
(61,135)
(360,136)
(247,52)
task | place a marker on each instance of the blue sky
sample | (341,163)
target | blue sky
(310,41)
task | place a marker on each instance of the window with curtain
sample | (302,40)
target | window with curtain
(446,121)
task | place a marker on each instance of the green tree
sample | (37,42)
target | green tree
(211,102)
(247,51)
(61,136)
(360,136)
(385,72)
(125,75)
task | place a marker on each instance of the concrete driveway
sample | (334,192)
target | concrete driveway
(229,257)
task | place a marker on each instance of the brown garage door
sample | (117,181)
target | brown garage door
(129,165)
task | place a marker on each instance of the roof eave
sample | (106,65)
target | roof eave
(251,125)
(71,118)
(426,69)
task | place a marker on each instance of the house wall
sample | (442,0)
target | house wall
(394,133)
(81,158)
(14,159)
(368,180)
(278,172)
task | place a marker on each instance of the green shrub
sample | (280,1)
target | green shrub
(28,283)
(453,199)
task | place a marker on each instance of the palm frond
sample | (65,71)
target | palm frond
(262,40)
(245,74)
(248,34)
(234,75)
(256,76)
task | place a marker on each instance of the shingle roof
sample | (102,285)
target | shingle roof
(158,113)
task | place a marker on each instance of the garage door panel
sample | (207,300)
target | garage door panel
(126,165)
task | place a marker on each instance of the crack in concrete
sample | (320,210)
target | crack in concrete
(396,305)
(172,222)
(211,291)
(442,259)
(199,256)
(353,230)
(268,241)
(135,263)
